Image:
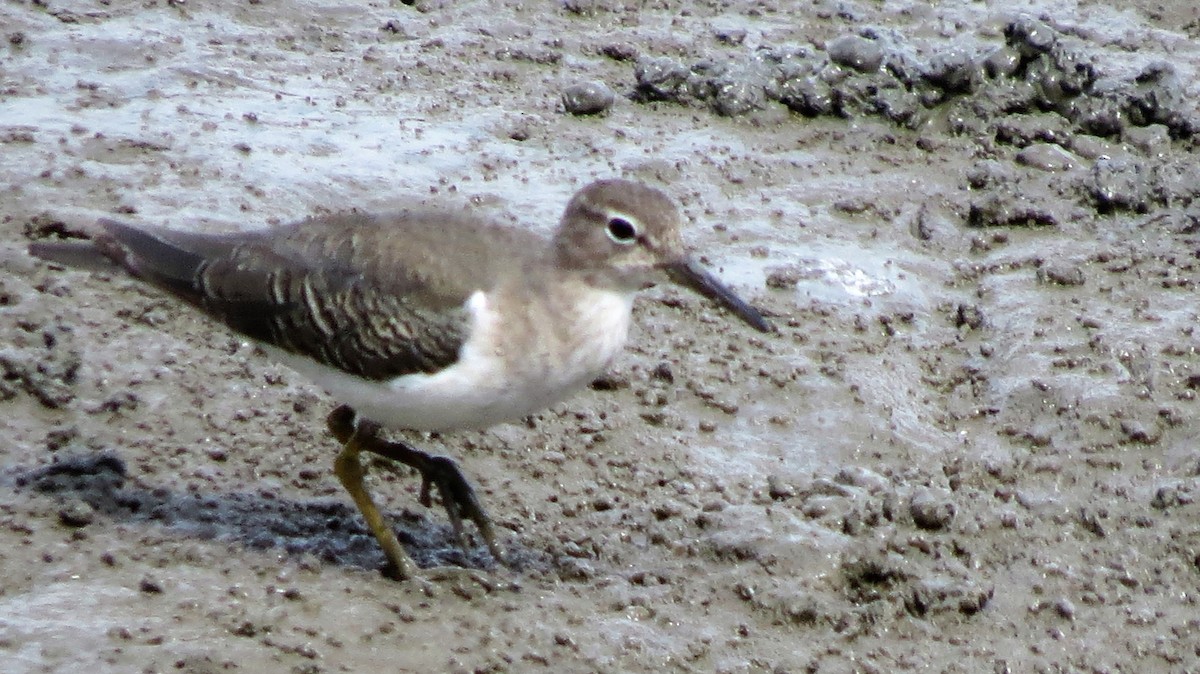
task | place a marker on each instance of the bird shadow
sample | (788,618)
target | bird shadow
(330,531)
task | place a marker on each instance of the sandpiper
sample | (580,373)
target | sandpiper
(426,320)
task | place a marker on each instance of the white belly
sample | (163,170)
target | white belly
(506,370)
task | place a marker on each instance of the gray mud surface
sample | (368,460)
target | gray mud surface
(971,446)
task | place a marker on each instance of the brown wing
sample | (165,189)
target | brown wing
(360,293)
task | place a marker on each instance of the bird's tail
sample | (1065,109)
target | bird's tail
(77,253)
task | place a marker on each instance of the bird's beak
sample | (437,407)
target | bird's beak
(686,271)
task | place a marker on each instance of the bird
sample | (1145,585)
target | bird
(425,318)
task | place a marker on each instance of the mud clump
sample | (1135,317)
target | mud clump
(41,361)
(1035,71)
(1039,92)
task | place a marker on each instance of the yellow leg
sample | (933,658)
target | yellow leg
(350,471)
(458,496)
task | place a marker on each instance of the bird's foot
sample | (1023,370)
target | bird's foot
(458,498)
(457,495)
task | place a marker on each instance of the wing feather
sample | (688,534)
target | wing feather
(359,293)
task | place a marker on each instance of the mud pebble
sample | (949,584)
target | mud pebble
(659,78)
(663,372)
(1065,609)
(45,226)
(970,315)
(1136,431)
(818,507)
(620,51)
(857,476)
(1160,97)
(1171,496)
(1102,111)
(826,487)
(1002,62)
(897,104)
(1030,36)
(856,52)
(997,210)
(1153,140)
(938,595)
(666,510)
(730,36)
(587,98)
(610,381)
(1091,520)
(562,639)
(573,568)
(58,438)
(150,585)
(954,71)
(784,278)
(1119,185)
(1025,129)
(808,96)
(778,489)
(117,402)
(1061,273)
(737,95)
(77,514)
(1091,147)
(930,510)
(1047,157)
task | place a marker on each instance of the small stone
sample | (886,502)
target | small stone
(784,278)
(856,52)
(1065,609)
(620,51)
(778,489)
(663,372)
(970,315)
(1063,274)
(997,210)
(77,514)
(1030,36)
(587,98)
(58,438)
(954,71)
(1136,431)
(1153,140)
(931,511)
(659,78)
(737,95)
(1002,62)
(1047,157)
(1119,185)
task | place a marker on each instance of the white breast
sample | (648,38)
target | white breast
(511,366)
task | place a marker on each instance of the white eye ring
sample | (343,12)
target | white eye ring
(621,230)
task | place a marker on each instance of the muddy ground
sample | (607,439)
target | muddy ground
(970,446)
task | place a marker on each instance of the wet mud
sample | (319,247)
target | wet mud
(971,445)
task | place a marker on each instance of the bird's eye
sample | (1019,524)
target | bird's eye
(622,231)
